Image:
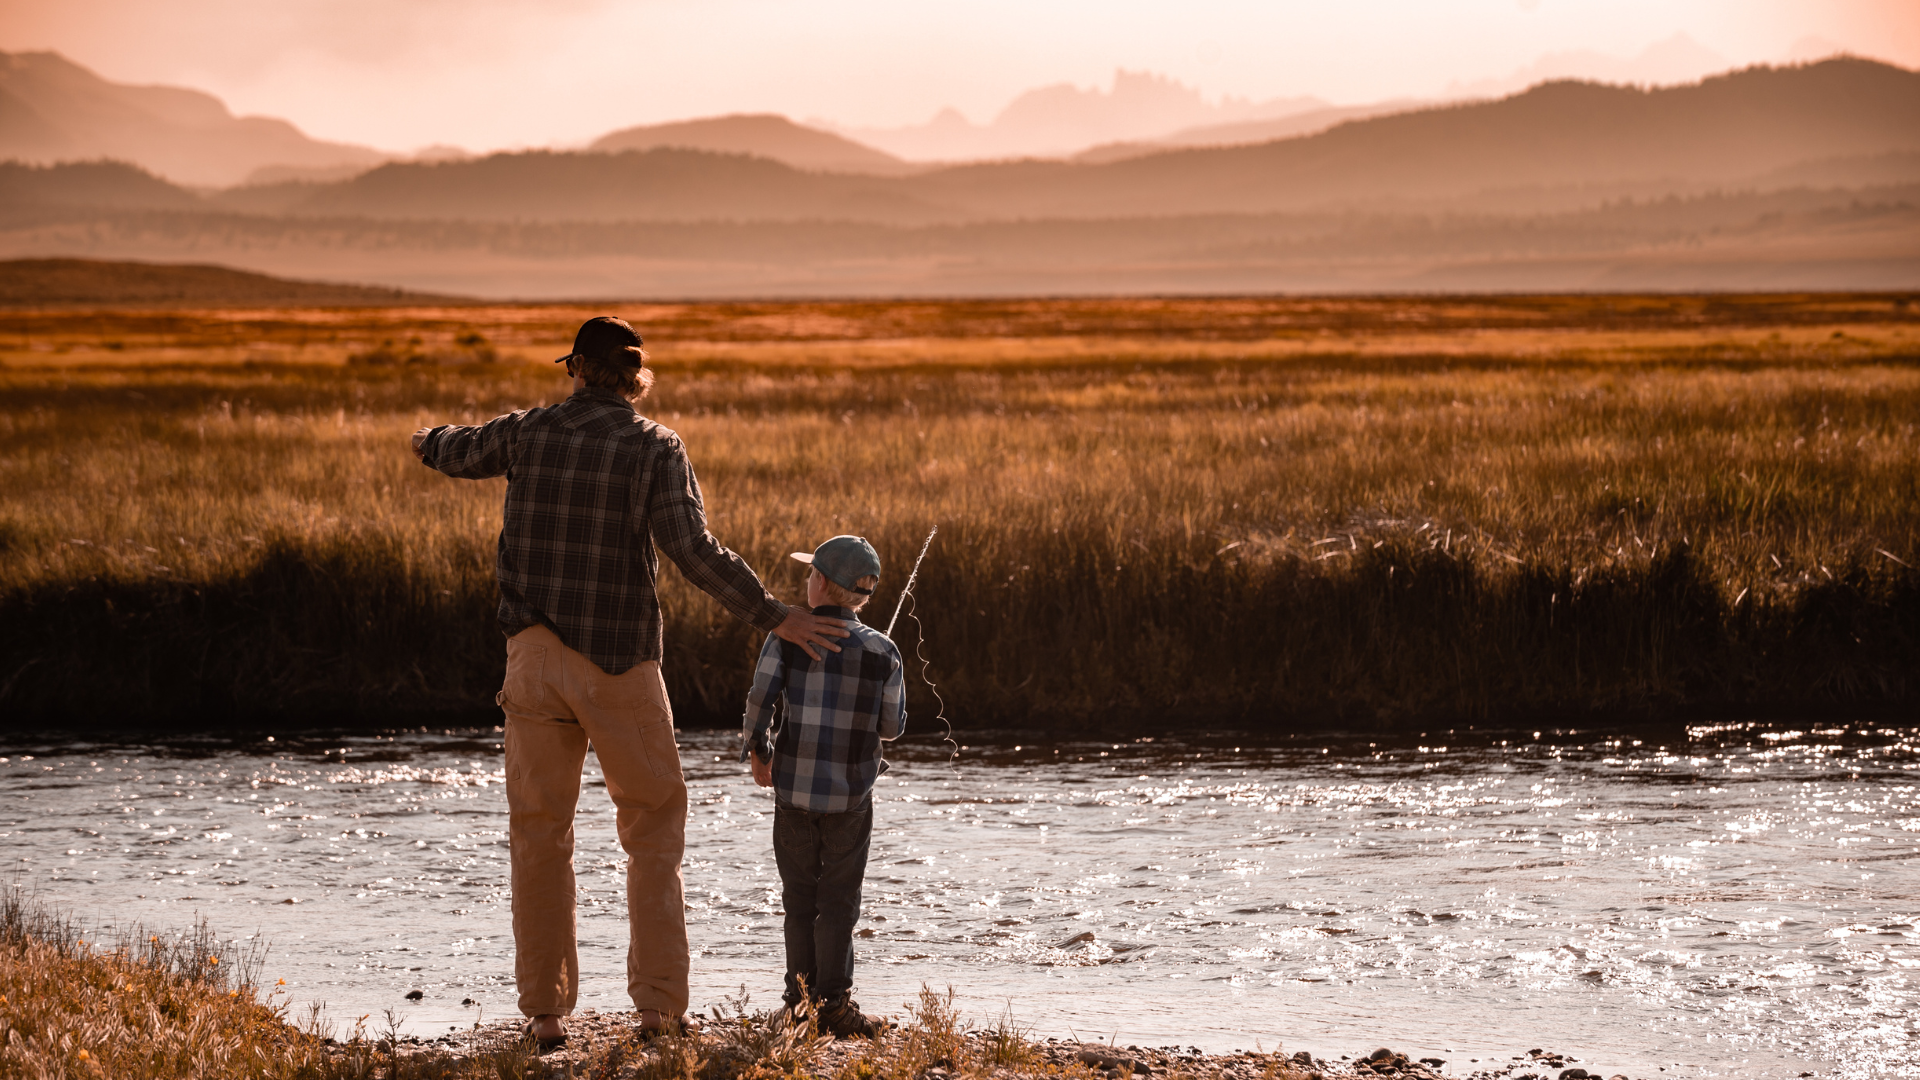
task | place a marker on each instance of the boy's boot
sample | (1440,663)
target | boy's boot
(843,1019)
(798,1013)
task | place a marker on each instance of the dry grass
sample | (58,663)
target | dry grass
(1151,512)
(180,1006)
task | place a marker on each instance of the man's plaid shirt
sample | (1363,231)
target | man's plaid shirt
(591,488)
(826,755)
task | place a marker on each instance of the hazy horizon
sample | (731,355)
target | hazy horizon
(518,75)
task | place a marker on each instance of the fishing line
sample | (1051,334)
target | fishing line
(920,641)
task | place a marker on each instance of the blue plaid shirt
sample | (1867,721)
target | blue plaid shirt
(826,753)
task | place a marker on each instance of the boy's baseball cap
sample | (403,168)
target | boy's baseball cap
(604,337)
(844,560)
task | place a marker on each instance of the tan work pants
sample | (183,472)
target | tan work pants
(556,701)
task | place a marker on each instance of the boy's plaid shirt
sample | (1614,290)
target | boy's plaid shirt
(826,755)
(591,488)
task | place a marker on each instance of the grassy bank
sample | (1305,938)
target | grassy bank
(181,1007)
(1263,513)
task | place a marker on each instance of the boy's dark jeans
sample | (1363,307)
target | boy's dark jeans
(822,859)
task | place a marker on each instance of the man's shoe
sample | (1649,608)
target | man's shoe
(545,1036)
(653,1022)
(843,1019)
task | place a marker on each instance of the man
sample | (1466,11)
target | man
(592,487)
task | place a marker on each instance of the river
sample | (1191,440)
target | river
(1720,901)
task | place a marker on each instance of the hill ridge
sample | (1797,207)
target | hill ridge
(87,283)
(767,135)
(52,109)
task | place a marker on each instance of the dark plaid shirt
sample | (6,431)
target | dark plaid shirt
(591,488)
(826,754)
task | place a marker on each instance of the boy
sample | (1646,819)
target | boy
(822,765)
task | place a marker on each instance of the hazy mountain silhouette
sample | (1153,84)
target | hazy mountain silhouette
(1678,59)
(1311,122)
(52,109)
(1801,177)
(100,185)
(1059,120)
(96,283)
(1565,135)
(662,184)
(1557,146)
(1564,144)
(761,135)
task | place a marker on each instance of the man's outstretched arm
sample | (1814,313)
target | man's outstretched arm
(469,452)
(678,520)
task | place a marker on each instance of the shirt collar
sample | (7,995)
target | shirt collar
(605,396)
(835,611)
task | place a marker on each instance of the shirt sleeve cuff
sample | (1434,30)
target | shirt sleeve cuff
(772,614)
(757,746)
(426,445)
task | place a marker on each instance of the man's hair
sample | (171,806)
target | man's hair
(626,381)
(847,598)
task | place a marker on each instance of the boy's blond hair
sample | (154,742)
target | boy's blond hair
(847,598)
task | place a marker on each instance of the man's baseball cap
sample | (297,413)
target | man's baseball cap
(606,338)
(844,560)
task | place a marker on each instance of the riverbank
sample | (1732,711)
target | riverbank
(187,1007)
(933,1042)
(1153,514)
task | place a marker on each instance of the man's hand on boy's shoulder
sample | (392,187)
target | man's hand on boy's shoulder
(811,632)
(762,770)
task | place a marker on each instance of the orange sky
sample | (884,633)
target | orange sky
(488,74)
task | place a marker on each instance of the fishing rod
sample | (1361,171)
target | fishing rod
(920,639)
(911,578)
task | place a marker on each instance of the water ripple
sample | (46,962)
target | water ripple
(1744,904)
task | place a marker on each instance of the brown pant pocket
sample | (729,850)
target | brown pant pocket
(657,742)
(526,682)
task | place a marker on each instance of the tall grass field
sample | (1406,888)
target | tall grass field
(1271,515)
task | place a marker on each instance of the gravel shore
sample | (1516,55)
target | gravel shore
(609,1044)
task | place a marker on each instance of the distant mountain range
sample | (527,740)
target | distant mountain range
(1832,148)
(1582,141)
(52,109)
(1557,146)
(1061,120)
